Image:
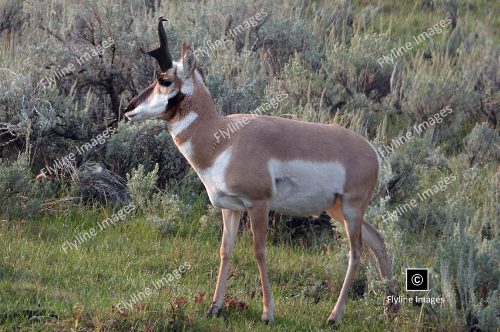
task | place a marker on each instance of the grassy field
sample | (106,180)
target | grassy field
(44,288)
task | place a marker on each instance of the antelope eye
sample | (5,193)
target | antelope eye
(164,82)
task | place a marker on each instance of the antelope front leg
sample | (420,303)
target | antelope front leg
(259,219)
(231,221)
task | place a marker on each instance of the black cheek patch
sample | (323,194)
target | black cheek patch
(174,101)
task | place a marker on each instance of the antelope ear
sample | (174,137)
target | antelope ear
(188,60)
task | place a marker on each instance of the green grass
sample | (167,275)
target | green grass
(82,286)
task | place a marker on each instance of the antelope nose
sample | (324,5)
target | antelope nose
(128,114)
(129,109)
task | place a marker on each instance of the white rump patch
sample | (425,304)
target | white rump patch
(304,188)
(182,124)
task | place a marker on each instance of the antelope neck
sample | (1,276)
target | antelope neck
(193,126)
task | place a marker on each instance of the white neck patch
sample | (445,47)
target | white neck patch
(187,150)
(182,124)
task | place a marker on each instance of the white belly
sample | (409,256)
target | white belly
(303,188)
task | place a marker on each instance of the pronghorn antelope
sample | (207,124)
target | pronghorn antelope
(271,163)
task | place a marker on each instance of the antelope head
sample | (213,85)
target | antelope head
(175,81)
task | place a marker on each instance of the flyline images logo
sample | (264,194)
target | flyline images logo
(417,280)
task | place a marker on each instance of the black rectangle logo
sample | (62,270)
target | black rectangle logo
(417,279)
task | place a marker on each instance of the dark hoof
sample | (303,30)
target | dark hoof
(213,311)
(332,323)
(267,319)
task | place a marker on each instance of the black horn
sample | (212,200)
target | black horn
(162,54)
